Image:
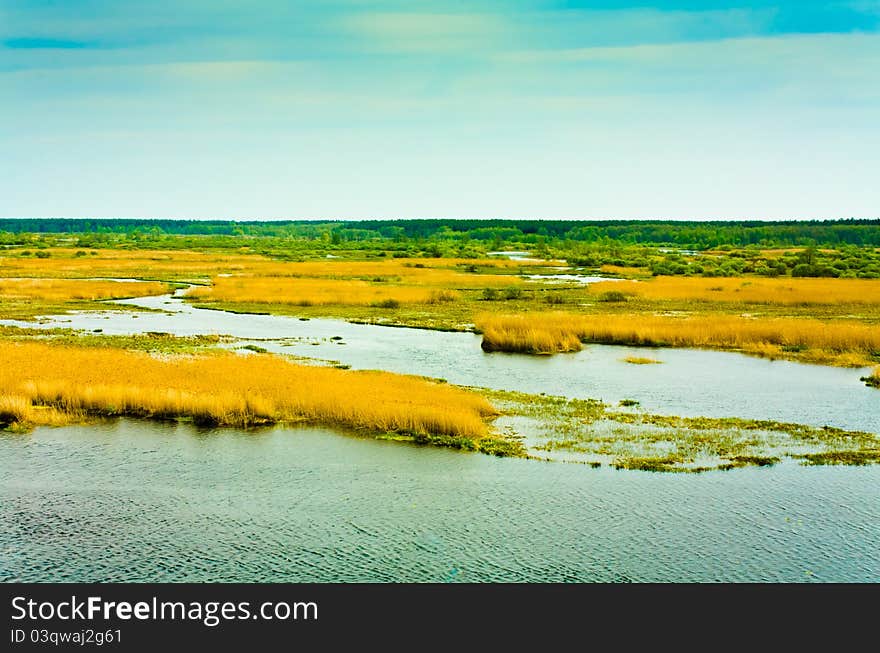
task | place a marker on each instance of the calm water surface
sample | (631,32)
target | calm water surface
(140,501)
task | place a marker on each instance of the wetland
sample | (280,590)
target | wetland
(598,375)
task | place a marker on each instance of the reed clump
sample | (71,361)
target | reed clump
(526,334)
(749,290)
(45,384)
(442,296)
(15,408)
(77,289)
(307,292)
(297,291)
(624,271)
(551,332)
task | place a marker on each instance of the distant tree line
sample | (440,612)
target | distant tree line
(689,235)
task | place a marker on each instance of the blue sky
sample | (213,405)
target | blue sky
(417,108)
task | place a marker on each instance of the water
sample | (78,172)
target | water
(139,501)
(689,382)
(584,279)
(685,252)
(512,255)
(519,256)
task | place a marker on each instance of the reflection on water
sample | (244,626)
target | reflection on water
(140,501)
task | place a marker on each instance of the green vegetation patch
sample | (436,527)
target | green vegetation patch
(872,381)
(153,341)
(31,309)
(867,457)
(589,431)
(503,445)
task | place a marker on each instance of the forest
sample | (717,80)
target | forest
(685,234)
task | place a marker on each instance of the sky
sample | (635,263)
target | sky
(271,109)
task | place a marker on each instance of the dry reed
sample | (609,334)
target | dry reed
(63,262)
(42,384)
(76,289)
(314,292)
(624,271)
(751,290)
(563,332)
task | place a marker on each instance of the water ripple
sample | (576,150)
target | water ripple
(132,501)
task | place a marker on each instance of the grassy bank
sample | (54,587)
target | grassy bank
(55,290)
(317,292)
(50,384)
(841,342)
(152,341)
(27,298)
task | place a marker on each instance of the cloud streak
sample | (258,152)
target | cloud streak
(25,43)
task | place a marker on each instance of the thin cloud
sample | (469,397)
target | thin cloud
(39,43)
(424,32)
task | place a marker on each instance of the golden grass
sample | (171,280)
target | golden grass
(413,272)
(532,333)
(19,410)
(226,389)
(436,271)
(126,263)
(638,360)
(314,292)
(251,278)
(873,379)
(752,290)
(562,332)
(623,271)
(352,283)
(73,289)
(15,408)
(64,262)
